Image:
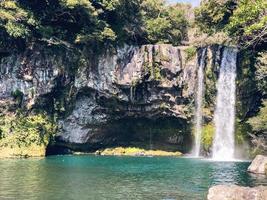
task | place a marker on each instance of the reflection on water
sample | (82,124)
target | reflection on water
(225,172)
(234,173)
(90,177)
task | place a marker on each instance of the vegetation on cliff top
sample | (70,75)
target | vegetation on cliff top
(92,23)
(245,21)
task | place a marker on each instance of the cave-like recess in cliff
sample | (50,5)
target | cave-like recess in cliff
(163,133)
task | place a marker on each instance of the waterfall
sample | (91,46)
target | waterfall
(224,116)
(199,101)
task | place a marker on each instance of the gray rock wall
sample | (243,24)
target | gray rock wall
(142,96)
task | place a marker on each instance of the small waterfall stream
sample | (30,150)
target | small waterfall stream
(224,116)
(199,102)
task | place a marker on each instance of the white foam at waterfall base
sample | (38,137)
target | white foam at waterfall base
(199,102)
(224,116)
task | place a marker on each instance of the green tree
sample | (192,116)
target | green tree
(92,22)
(16,20)
(164,24)
(245,21)
(249,22)
(213,15)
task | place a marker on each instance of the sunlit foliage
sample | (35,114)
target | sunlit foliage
(93,22)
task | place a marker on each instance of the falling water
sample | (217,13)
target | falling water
(199,100)
(223,143)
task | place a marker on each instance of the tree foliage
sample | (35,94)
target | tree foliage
(243,20)
(213,15)
(93,22)
(164,24)
(25,130)
(249,21)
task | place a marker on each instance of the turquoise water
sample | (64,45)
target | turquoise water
(95,177)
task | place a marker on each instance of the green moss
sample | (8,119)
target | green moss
(156,74)
(190,53)
(207,136)
(153,69)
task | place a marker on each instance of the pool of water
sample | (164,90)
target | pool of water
(97,177)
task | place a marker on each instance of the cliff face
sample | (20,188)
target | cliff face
(138,96)
(135,96)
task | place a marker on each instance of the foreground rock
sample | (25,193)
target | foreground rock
(132,151)
(258,165)
(234,192)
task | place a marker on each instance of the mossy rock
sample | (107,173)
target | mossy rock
(134,151)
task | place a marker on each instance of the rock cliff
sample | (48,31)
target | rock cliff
(134,96)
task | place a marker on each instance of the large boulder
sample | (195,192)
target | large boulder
(234,192)
(258,165)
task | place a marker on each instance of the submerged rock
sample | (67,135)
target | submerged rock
(258,165)
(234,192)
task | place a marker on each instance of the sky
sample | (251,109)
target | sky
(193,2)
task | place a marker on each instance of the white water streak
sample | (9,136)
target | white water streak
(199,102)
(224,143)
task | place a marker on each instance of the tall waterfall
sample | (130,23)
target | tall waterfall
(223,143)
(199,101)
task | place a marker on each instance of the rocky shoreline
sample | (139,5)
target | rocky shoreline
(235,192)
